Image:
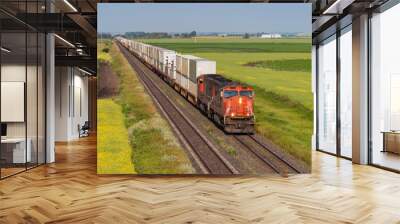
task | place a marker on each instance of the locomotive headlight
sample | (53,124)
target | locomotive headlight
(240,100)
(232,114)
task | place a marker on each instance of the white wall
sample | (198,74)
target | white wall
(62,82)
(33,125)
(12,73)
(71,87)
(16,73)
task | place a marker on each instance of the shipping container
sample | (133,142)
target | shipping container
(184,83)
(182,71)
(185,65)
(168,60)
(161,59)
(199,67)
(179,63)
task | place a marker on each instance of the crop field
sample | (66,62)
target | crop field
(114,151)
(148,145)
(279,70)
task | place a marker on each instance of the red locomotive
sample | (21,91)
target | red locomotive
(228,103)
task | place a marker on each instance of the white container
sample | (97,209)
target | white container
(168,63)
(192,66)
(198,67)
(179,63)
(184,83)
(178,80)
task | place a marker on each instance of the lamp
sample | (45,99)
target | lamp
(64,40)
(5,50)
(70,5)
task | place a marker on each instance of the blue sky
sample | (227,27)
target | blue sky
(202,17)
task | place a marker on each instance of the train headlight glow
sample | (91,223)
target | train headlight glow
(232,114)
(240,100)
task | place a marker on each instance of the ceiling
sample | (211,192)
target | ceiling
(328,13)
(74,22)
(183,1)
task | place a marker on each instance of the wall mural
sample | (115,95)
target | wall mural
(204,89)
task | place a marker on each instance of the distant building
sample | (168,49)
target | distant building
(271,35)
(222,35)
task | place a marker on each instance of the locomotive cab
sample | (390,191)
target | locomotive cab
(238,109)
(228,103)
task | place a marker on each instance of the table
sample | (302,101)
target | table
(391,141)
(16,148)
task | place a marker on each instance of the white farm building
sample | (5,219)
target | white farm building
(273,35)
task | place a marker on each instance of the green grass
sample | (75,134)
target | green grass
(231,45)
(103,51)
(284,102)
(155,148)
(295,85)
(113,149)
(104,57)
(300,65)
(213,39)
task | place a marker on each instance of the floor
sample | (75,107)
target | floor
(69,191)
(10,171)
(387,159)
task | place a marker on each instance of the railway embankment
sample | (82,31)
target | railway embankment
(155,149)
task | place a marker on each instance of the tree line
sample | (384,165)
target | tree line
(150,35)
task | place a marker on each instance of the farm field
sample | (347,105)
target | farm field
(150,142)
(280,71)
(114,151)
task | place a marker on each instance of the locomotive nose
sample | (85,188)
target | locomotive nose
(239,107)
(238,102)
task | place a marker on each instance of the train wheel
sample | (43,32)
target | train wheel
(210,114)
(217,119)
(203,108)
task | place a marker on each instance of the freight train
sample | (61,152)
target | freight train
(229,104)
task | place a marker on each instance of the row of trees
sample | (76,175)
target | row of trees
(155,35)
(147,35)
(104,35)
(152,35)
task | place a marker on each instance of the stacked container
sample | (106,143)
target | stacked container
(167,61)
(188,68)
(163,60)
(183,70)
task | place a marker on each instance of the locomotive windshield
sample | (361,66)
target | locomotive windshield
(247,93)
(230,93)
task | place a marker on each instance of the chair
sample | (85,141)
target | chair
(84,130)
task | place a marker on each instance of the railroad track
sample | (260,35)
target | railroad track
(204,153)
(275,161)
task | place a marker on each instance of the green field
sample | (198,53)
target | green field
(281,77)
(295,65)
(113,149)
